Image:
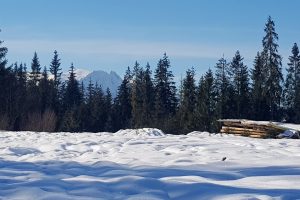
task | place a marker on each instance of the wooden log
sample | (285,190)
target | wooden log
(256,127)
(251,135)
(242,129)
(255,136)
(244,134)
(252,124)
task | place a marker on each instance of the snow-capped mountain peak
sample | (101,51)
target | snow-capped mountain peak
(107,80)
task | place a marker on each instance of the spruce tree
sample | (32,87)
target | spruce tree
(3,85)
(240,82)
(71,103)
(73,95)
(55,70)
(258,94)
(165,94)
(136,95)
(45,91)
(34,93)
(272,69)
(55,91)
(291,87)
(205,111)
(35,73)
(148,98)
(108,109)
(122,107)
(223,90)
(188,104)
(3,52)
(21,94)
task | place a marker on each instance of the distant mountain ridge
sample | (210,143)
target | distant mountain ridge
(107,80)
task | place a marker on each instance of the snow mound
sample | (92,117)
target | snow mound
(152,132)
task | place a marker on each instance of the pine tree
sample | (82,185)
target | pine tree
(240,84)
(188,104)
(272,69)
(292,83)
(165,94)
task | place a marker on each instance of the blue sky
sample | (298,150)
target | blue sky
(113,34)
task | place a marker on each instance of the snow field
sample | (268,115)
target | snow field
(147,164)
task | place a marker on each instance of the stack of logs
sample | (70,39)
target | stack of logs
(250,128)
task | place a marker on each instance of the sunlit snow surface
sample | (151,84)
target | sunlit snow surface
(146,165)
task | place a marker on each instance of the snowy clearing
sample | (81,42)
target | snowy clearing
(147,164)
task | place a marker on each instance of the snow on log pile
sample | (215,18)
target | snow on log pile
(255,129)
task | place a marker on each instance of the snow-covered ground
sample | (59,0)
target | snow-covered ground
(146,165)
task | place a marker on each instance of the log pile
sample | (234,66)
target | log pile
(250,128)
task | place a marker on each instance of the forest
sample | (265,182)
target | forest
(32,101)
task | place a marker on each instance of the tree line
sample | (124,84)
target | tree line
(37,102)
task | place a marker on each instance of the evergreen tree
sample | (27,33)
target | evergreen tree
(258,96)
(72,101)
(108,108)
(73,95)
(272,69)
(205,114)
(45,91)
(222,85)
(291,87)
(3,86)
(122,105)
(165,94)
(99,110)
(35,73)
(136,96)
(34,93)
(11,98)
(240,84)
(55,92)
(90,92)
(188,104)
(3,52)
(20,96)
(148,98)
(55,70)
